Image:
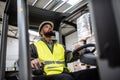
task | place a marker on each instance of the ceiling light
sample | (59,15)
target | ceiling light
(73,2)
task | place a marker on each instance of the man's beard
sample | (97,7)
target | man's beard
(49,34)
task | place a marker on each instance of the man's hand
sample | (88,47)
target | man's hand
(35,63)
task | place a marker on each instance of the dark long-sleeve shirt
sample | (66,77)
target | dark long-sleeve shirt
(33,51)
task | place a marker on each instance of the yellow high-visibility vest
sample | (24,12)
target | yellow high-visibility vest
(54,61)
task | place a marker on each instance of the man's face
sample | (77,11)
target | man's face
(47,29)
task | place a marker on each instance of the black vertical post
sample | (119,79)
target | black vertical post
(106,23)
(24,57)
(3,46)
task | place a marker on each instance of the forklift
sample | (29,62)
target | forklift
(105,20)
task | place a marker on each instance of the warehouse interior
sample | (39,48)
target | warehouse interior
(95,22)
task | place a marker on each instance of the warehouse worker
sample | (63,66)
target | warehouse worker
(50,53)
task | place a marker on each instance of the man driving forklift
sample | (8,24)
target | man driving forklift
(49,55)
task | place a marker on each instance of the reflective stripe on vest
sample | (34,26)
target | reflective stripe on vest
(54,62)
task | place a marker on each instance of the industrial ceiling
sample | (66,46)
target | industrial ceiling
(75,10)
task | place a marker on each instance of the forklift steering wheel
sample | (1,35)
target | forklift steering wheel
(85,55)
